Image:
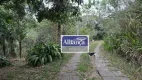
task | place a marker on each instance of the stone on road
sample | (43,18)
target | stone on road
(68,72)
(105,71)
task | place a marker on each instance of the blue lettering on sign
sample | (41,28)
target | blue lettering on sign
(74,41)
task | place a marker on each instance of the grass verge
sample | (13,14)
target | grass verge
(86,70)
(53,69)
(131,70)
(47,72)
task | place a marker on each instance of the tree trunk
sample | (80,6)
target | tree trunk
(12,52)
(59,33)
(63,33)
(4,47)
(20,48)
(20,42)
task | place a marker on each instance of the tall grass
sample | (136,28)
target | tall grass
(133,71)
(85,67)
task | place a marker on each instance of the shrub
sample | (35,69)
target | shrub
(41,54)
(4,62)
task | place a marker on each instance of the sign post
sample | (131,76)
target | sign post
(74,43)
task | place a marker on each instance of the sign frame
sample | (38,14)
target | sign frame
(74,35)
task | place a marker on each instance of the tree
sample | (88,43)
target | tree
(18,8)
(5,32)
(61,11)
(19,21)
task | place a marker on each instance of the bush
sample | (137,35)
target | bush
(4,62)
(41,54)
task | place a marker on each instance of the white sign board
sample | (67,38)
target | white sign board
(74,43)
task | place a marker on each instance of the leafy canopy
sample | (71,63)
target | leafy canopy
(59,11)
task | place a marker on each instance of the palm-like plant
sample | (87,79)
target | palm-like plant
(4,62)
(41,54)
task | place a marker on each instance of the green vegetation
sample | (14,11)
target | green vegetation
(123,32)
(86,67)
(132,71)
(52,69)
(43,53)
(21,32)
(4,62)
(46,72)
(62,12)
(28,26)
(26,29)
(14,25)
(93,45)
